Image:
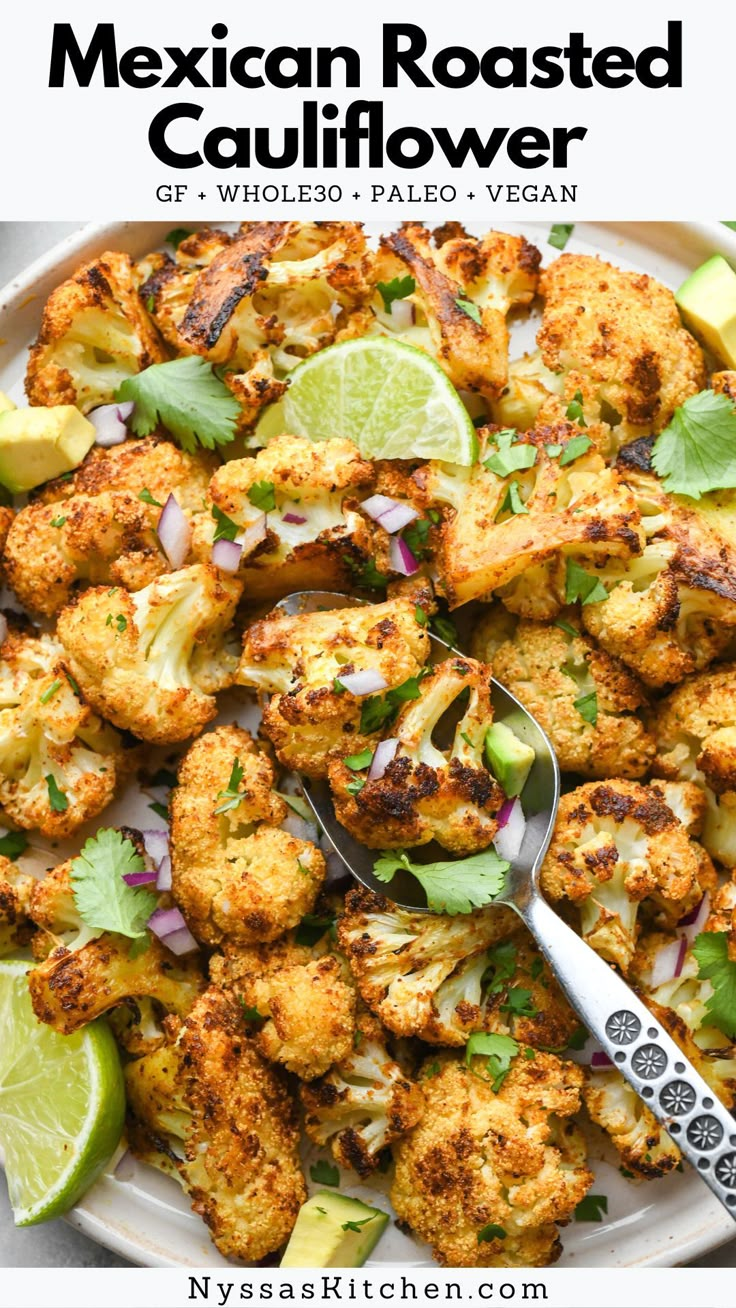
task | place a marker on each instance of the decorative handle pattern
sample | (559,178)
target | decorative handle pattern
(645,1055)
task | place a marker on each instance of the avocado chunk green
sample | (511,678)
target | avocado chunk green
(509,759)
(333,1230)
(707,302)
(6,404)
(38,444)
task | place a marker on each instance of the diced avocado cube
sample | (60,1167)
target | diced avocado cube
(38,444)
(509,759)
(707,302)
(6,404)
(333,1230)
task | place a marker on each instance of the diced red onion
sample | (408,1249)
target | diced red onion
(253,535)
(693,922)
(336,870)
(385,752)
(504,813)
(376,505)
(297,520)
(508,839)
(681,956)
(156,844)
(139,878)
(109,423)
(600,1059)
(292,512)
(174,532)
(3,628)
(125,1167)
(226,555)
(401,558)
(397,517)
(664,966)
(402,314)
(367,682)
(169,925)
(163,878)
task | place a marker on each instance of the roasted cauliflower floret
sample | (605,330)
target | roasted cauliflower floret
(94,333)
(364,1103)
(152,661)
(671,610)
(15,899)
(585,699)
(313,536)
(481,1158)
(236,875)
(695,728)
(427,792)
(616,844)
(227,1123)
(497,271)
(401,961)
(74,986)
(642,1144)
(509,533)
(616,337)
(59,762)
(298,660)
(100,526)
(276,287)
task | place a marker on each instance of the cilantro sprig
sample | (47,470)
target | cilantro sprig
(262,496)
(711,951)
(559,234)
(452,886)
(498,1050)
(225,528)
(397,289)
(376,712)
(232,796)
(186,397)
(510,455)
(103,899)
(583,586)
(696,452)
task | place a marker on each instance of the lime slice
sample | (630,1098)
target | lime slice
(391,399)
(62,1104)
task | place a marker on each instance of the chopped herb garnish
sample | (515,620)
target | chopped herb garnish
(536,969)
(150,303)
(225,529)
(574,410)
(376,712)
(355,786)
(337,686)
(147,498)
(630,1176)
(57,798)
(420,615)
(592,1208)
(512,501)
(120,621)
(501,962)
(416,535)
(559,234)
(312,928)
(518,1002)
(491,1232)
(232,796)
(49,692)
(444,628)
(431,1069)
(58,522)
(176,236)
(530,1054)
(581,585)
(554,450)
(470,309)
(251,1014)
(356,762)
(13,844)
(261,495)
(324,1173)
(160,810)
(163,777)
(587,707)
(397,289)
(578,1038)
(574,448)
(567,627)
(714,964)
(499,1050)
(510,456)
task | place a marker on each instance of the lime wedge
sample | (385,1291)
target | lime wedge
(62,1104)
(391,399)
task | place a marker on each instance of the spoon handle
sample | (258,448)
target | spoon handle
(646,1056)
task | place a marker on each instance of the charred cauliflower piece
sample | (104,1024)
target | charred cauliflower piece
(100,526)
(314,533)
(236,875)
(364,1103)
(616,337)
(585,699)
(94,333)
(616,844)
(695,728)
(15,899)
(643,1146)
(209,1107)
(275,288)
(427,792)
(59,762)
(481,1158)
(297,660)
(404,963)
(510,533)
(152,661)
(671,610)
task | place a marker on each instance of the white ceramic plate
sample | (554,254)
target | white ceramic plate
(146,1218)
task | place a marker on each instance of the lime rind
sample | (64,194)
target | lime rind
(62,1104)
(393,400)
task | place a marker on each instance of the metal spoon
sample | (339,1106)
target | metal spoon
(638,1047)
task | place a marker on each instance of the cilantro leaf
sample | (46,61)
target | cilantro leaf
(58,522)
(446,630)
(581,585)
(512,501)
(578,1039)
(501,967)
(50,692)
(731,225)
(160,810)
(232,796)
(511,456)
(416,536)
(711,951)
(587,707)
(261,496)
(356,762)
(500,1050)
(225,529)
(518,1002)
(574,448)
(376,712)
(397,289)
(251,1014)
(451,886)
(552,451)
(430,1070)
(696,452)
(591,1208)
(366,575)
(176,236)
(147,498)
(187,398)
(567,627)
(491,1232)
(312,928)
(559,234)
(298,804)
(574,410)
(470,309)
(104,901)
(57,798)
(13,844)
(324,1173)
(355,786)
(420,615)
